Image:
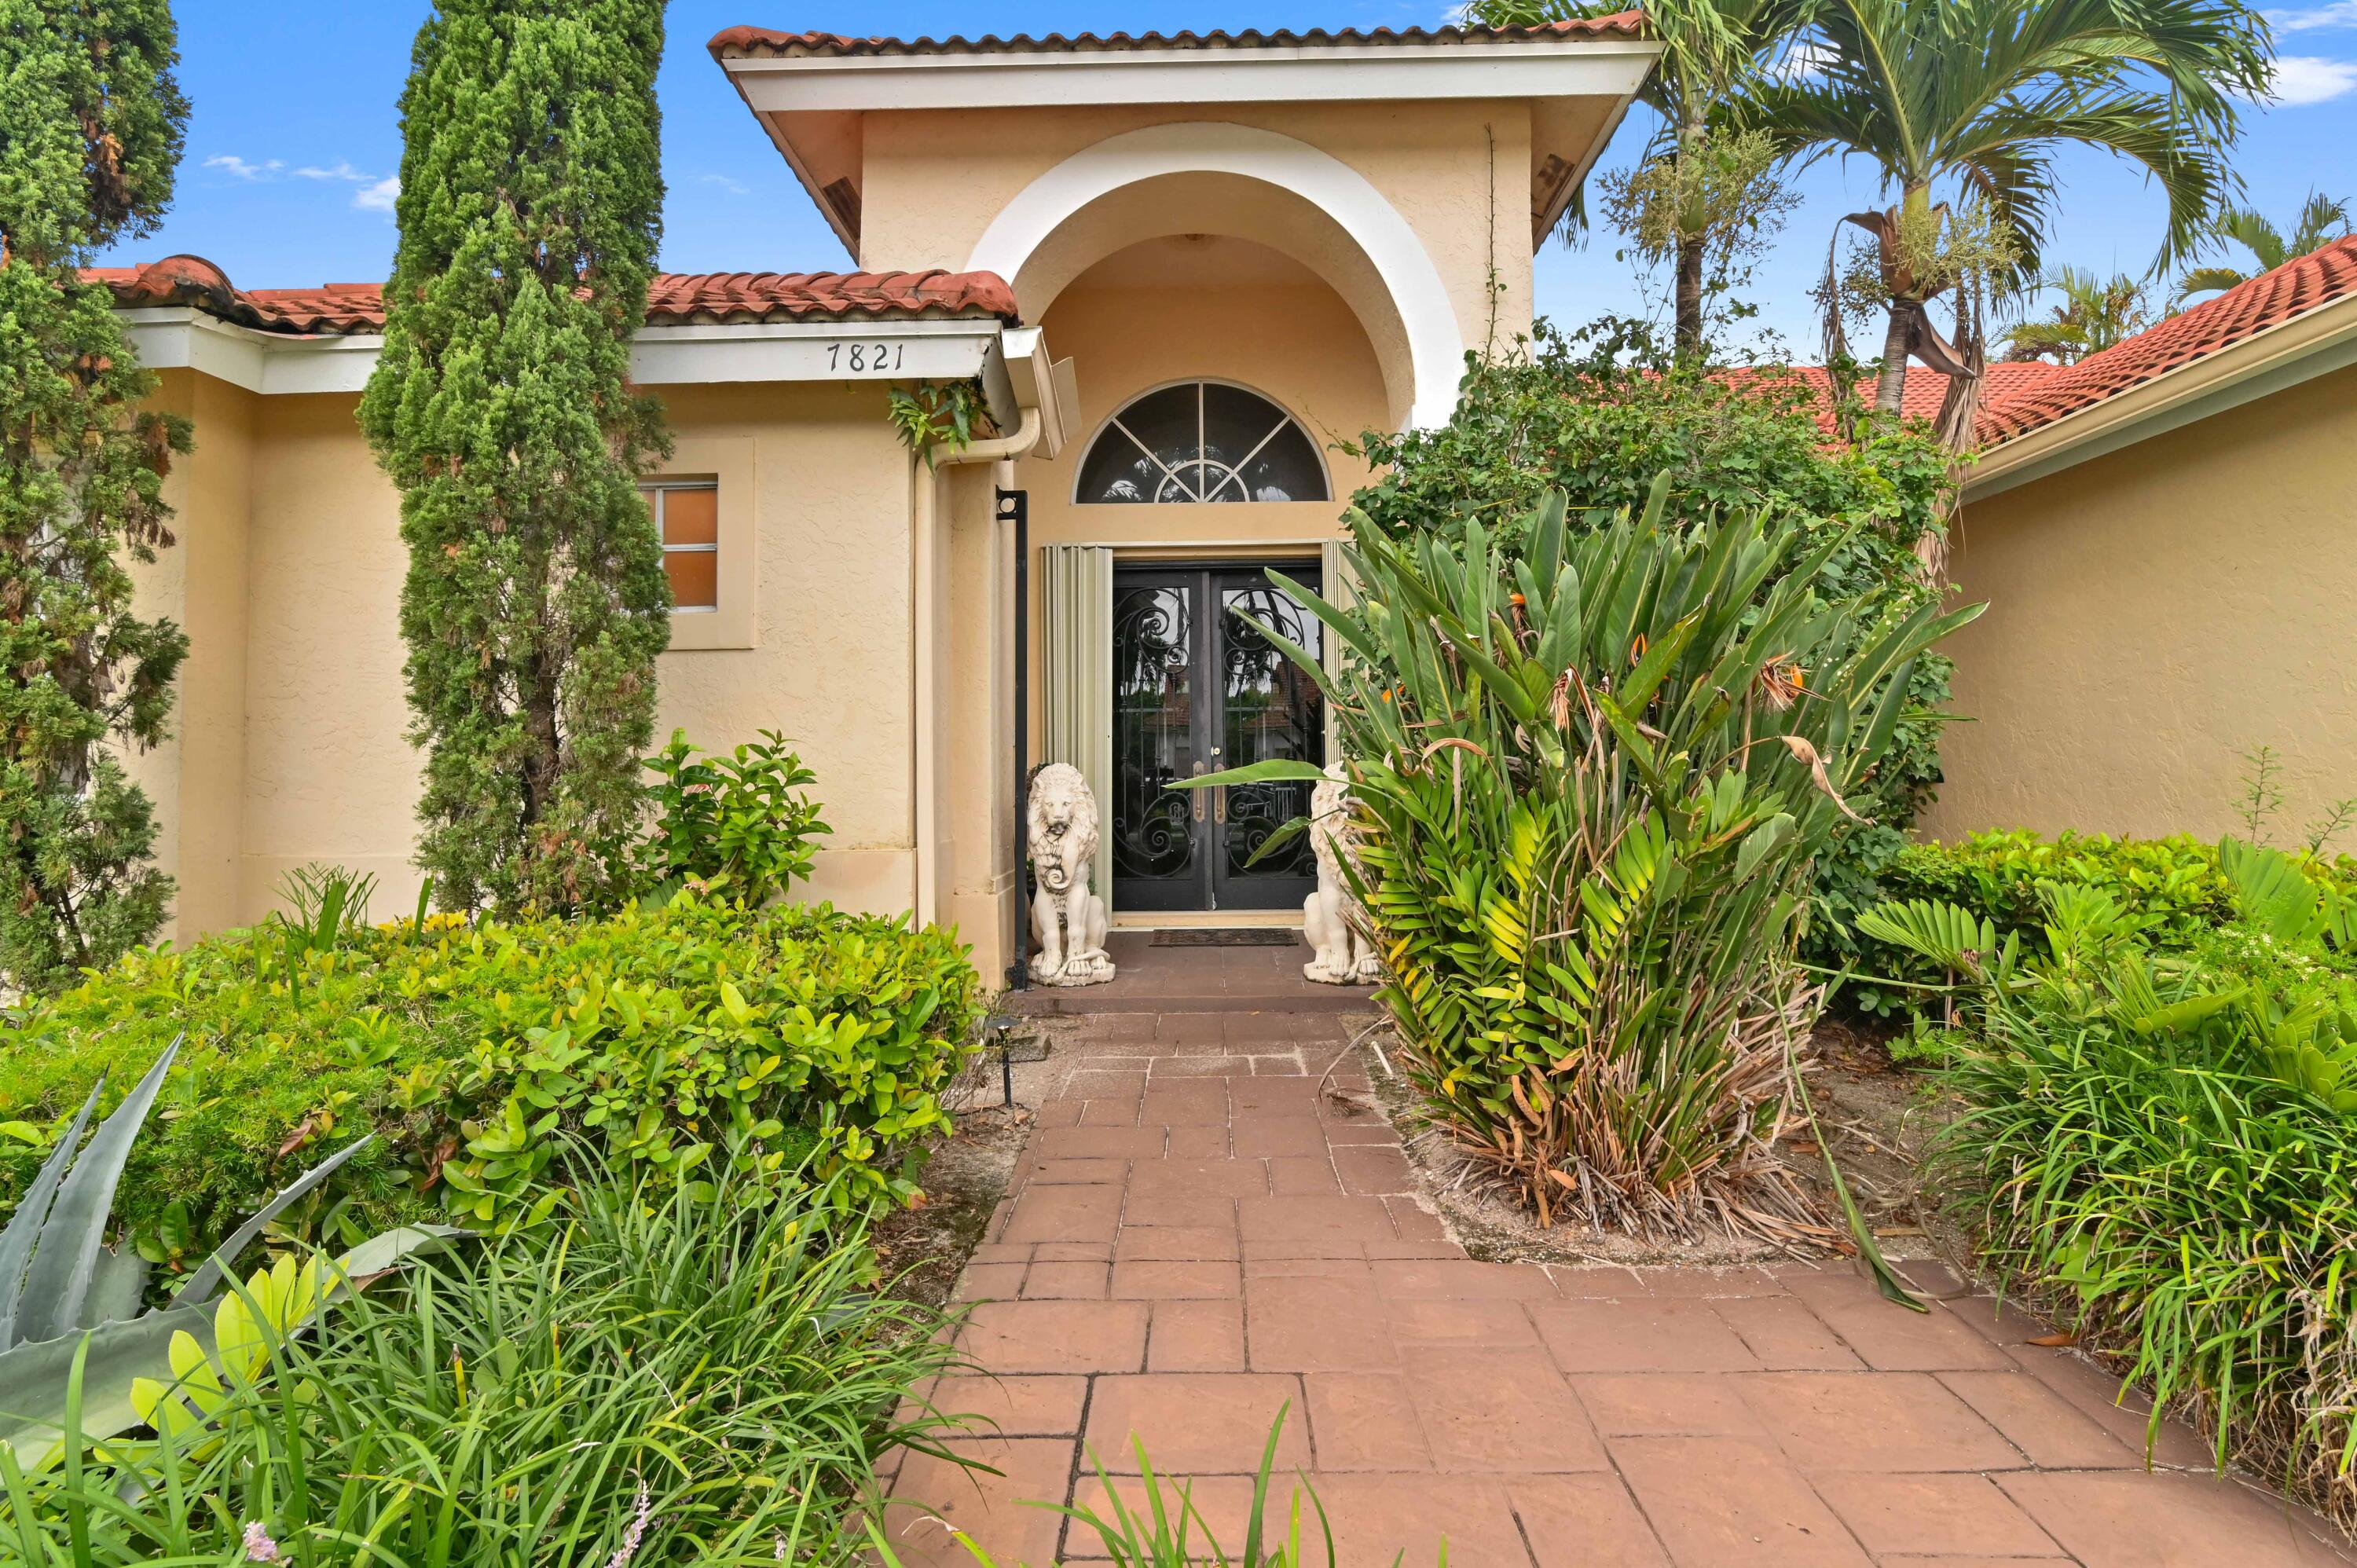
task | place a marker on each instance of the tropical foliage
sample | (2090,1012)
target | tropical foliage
(535,603)
(1961,104)
(1706,192)
(91,127)
(2095,313)
(1600,416)
(737,822)
(2172,892)
(2162,1146)
(1593,768)
(2322,220)
(77,1345)
(675,1041)
(657,1375)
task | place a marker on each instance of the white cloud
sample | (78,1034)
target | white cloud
(733,187)
(375,193)
(2339,14)
(2310,79)
(231,164)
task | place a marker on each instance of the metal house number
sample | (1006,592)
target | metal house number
(865,356)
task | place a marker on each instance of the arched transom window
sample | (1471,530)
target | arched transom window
(1202,441)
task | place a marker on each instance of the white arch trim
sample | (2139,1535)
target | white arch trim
(1436,347)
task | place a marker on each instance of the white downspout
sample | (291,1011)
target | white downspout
(925,900)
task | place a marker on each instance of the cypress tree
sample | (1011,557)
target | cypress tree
(535,602)
(90,125)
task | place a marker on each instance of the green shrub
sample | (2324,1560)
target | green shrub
(2171,889)
(1599,415)
(2163,1147)
(1591,771)
(733,821)
(666,1375)
(660,1034)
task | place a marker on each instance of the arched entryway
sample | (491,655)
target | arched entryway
(1260,307)
(1249,184)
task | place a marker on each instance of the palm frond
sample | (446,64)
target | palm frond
(2208,280)
(2322,220)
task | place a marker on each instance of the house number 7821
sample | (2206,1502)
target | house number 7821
(865,356)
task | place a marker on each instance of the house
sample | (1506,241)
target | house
(1181,267)
(2166,534)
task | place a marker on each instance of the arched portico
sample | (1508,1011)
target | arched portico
(1253,184)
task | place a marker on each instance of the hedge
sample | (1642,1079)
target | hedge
(792,1037)
(2172,885)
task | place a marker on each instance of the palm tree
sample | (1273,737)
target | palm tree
(2095,313)
(1972,98)
(2322,220)
(1711,49)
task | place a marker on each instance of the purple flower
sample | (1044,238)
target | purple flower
(259,1547)
(633,1536)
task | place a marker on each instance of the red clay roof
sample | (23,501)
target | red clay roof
(2268,300)
(2005,381)
(344,309)
(742,43)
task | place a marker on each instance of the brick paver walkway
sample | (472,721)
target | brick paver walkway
(1199,1235)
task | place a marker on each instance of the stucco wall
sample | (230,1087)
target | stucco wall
(2153,615)
(831,669)
(935,179)
(197,778)
(291,745)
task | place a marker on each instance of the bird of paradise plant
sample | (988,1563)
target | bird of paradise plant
(1591,773)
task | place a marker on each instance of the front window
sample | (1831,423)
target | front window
(1201,441)
(687,521)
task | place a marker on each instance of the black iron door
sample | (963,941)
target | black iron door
(1195,690)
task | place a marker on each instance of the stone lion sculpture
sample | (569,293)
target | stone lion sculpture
(1332,920)
(1067,919)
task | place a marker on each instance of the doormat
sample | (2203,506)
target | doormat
(1226,937)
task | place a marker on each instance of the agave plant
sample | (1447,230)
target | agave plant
(72,1318)
(1592,774)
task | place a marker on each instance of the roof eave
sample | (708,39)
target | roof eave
(819,88)
(2314,343)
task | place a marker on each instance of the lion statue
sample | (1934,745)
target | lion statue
(1067,919)
(1332,920)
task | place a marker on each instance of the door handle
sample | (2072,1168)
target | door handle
(1199,771)
(1220,803)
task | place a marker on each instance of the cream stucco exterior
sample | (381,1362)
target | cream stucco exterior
(1338,255)
(2156,612)
(289,745)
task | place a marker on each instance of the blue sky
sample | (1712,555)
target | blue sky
(290,159)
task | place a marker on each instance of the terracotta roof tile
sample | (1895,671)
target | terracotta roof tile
(1926,389)
(345,308)
(758,43)
(2268,300)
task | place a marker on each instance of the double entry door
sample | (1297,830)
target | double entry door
(1197,689)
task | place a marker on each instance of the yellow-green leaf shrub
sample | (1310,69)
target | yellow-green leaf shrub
(667,1038)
